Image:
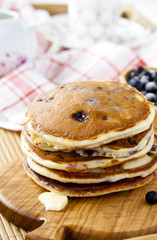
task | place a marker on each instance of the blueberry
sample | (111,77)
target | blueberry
(134,82)
(149,154)
(144,80)
(151,197)
(45,99)
(152,72)
(93,100)
(148,74)
(80,116)
(151,97)
(77,89)
(132,153)
(139,70)
(154,148)
(151,87)
(132,74)
(136,72)
(90,152)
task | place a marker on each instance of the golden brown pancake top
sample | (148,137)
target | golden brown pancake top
(83,110)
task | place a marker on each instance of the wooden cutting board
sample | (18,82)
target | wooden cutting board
(115,216)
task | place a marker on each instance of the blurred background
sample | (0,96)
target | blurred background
(74,24)
(44,43)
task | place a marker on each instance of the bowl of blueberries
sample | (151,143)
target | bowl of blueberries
(144,79)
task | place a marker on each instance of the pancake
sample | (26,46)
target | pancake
(71,161)
(86,190)
(137,167)
(121,148)
(90,138)
(86,115)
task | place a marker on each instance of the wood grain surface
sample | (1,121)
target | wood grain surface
(9,150)
(115,216)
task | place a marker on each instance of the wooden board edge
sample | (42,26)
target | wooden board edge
(12,213)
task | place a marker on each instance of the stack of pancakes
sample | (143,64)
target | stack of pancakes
(90,138)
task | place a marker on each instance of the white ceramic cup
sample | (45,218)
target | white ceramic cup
(91,21)
(17,41)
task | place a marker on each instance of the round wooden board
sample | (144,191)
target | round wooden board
(115,216)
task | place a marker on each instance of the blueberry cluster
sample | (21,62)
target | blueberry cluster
(145,81)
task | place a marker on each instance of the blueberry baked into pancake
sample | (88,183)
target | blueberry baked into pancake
(90,138)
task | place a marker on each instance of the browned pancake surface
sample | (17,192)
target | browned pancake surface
(83,110)
(86,190)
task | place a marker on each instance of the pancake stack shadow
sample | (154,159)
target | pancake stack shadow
(90,138)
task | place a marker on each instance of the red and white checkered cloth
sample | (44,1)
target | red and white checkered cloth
(104,60)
